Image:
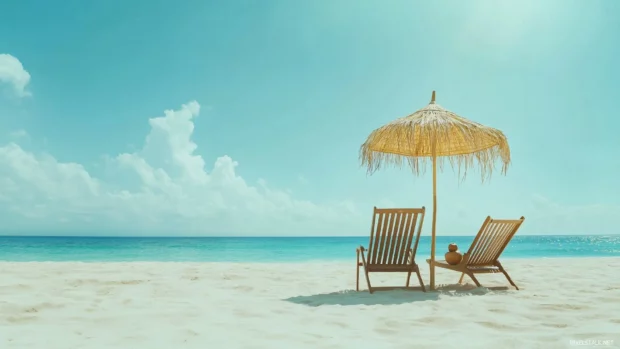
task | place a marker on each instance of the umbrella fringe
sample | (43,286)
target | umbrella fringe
(486,159)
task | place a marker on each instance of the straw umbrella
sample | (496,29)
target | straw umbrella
(435,134)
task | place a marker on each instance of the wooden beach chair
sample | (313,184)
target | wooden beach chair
(389,248)
(483,254)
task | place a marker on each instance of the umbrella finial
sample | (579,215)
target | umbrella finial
(433,98)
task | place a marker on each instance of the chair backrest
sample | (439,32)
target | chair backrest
(492,239)
(392,233)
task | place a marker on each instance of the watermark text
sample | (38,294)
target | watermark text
(592,342)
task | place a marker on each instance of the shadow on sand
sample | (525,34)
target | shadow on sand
(392,297)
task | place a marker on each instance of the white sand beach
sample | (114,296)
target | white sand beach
(302,305)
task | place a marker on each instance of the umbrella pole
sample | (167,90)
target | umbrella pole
(432,264)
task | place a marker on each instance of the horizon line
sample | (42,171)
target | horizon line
(259,236)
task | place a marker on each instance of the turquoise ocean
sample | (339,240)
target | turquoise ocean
(273,249)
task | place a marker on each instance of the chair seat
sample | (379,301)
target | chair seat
(390,267)
(474,268)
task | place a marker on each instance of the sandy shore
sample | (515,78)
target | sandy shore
(303,305)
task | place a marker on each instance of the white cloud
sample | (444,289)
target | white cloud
(163,188)
(12,72)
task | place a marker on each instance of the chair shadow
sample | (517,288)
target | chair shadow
(392,297)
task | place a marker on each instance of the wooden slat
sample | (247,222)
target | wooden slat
(388,238)
(401,210)
(485,239)
(372,254)
(512,234)
(395,233)
(505,221)
(399,242)
(493,250)
(403,244)
(372,233)
(386,223)
(409,236)
(474,243)
(418,233)
(510,231)
(492,237)
(503,241)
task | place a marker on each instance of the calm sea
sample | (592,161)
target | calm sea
(273,249)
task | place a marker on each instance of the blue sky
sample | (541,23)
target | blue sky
(269,101)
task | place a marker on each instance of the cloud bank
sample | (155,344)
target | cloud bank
(162,189)
(13,74)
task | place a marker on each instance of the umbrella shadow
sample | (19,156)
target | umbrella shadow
(392,297)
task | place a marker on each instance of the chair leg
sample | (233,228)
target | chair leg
(471,275)
(420,279)
(368,281)
(408,278)
(461,279)
(357,275)
(361,249)
(508,277)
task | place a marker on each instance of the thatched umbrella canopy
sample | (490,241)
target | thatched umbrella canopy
(434,133)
